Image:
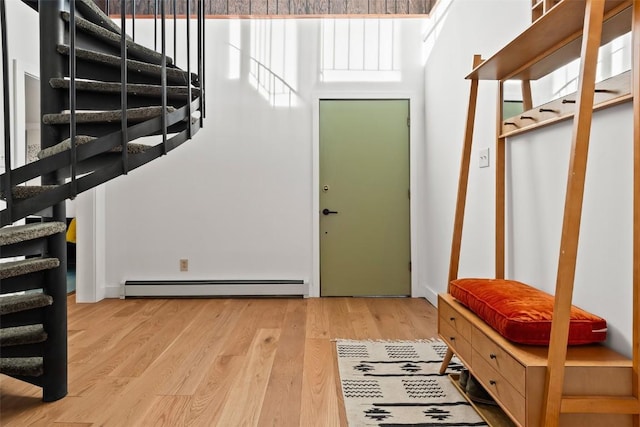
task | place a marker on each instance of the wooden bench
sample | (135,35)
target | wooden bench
(515,374)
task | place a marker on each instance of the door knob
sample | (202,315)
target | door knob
(326,211)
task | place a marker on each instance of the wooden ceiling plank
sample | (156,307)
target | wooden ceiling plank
(219,7)
(417,7)
(358,7)
(266,8)
(258,7)
(377,7)
(319,7)
(337,7)
(299,7)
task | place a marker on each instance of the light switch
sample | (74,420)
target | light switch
(484,158)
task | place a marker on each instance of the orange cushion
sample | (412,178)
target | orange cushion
(523,314)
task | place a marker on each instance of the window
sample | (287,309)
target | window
(614,58)
(360,50)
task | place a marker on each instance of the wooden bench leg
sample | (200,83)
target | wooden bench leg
(446,361)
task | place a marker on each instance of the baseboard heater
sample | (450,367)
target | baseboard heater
(213,288)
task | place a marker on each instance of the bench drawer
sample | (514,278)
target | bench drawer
(501,361)
(456,342)
(448,315)
(496,384)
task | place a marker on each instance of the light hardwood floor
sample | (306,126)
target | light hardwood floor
(211,362)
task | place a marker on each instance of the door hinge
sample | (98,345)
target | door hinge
(408,121)
(409,266)
(409,194)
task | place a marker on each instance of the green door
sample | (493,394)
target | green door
(364,179)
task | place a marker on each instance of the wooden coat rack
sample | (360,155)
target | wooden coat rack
(560,33)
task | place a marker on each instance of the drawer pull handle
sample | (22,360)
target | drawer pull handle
(493,356)
(452,338)
(453,319)
(492,382)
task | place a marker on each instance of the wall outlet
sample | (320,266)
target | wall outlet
(184,265)
(484,158)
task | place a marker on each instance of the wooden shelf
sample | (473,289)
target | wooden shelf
(537,10)
(552,41)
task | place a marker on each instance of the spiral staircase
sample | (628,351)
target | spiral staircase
(100,91)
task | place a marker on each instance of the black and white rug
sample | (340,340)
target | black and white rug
(396,383)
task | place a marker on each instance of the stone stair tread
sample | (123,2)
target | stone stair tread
(26,266)
(174,75)
(16,303)
(133,49)
(132,88)
(22,192)
(25,366)
(20,335)
(64,145)
(133,115)
(93,13)
(21,233)
(132,148)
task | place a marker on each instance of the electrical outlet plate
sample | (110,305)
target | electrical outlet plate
(484,158)
(184,265)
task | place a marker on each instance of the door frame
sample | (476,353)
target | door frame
(415,115)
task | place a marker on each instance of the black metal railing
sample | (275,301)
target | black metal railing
(64,170)
(123,91)
(159,10)
(50,168)
(7,185)
(72,97)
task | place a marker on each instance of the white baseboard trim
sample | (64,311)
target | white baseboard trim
(431,296)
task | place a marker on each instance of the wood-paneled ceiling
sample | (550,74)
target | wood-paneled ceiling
(273,8)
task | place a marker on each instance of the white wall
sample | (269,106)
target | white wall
(536,175)
(539,164)
(237,200)
(23,57)
(460,35)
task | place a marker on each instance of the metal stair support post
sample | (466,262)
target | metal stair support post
(7,118)
(155,25)
(163,76)
(123,93)
(189,127)
(175,29)
(52,65)
(201,57)
(72,97)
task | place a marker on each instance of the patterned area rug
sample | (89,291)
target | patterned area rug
(396,383)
